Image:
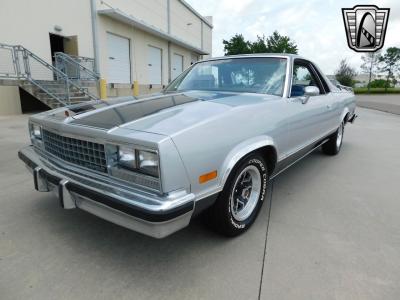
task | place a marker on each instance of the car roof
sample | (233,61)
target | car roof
(280,55)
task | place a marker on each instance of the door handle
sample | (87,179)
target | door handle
(110,57)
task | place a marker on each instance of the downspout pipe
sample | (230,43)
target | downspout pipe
(169,43)
(93,7)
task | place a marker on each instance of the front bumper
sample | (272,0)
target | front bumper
(153,215)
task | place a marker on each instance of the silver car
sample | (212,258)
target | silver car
(209,142)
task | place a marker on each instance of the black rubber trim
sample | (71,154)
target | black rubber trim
(49,177)
(35,181)
(288,161)
(131,210)
(202,204)
(60,195)
(26,160)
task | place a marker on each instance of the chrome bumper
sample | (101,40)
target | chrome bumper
(150,214)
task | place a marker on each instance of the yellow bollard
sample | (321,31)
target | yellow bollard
(135,88)
(103,89)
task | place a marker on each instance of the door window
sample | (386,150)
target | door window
(303,76)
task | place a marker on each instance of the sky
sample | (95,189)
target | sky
(316,26)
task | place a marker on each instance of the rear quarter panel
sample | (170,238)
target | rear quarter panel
(347,104)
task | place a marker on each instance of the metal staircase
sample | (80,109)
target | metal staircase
(50,92)
(69,82)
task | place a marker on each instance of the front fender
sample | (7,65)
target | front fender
(240,151)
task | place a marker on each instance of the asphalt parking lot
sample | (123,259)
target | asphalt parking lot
(387,103)
(329,230)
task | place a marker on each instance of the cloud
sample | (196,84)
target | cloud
(235,6)
(315,26)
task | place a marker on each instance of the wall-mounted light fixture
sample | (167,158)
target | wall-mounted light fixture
(57,28)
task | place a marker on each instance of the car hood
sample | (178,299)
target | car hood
(164,114)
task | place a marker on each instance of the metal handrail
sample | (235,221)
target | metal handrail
(62,59)
(78,58)
(22,70)
(59,74)
(15,73)
(43,62)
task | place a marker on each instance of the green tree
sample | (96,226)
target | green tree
(275,43)
(370,65)
(378,83)
(259,45)
(390,63)
(236,45)
(345,73)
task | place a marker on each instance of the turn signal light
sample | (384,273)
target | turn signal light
(208,176)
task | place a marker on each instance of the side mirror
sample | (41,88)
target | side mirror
(311,91)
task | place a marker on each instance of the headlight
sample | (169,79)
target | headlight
(148,162)
(36,131)
(127,157)
(142,161)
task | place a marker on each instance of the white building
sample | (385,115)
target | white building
(147,42)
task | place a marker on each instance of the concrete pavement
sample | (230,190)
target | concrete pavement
(333,233)
(334,230)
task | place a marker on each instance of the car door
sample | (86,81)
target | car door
(332,102)
(309,116)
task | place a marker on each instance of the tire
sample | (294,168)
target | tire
(233,213)
(334,144)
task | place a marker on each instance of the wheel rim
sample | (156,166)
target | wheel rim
(245,193)
(339,136)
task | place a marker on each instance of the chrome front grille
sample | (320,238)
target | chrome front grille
(79,152)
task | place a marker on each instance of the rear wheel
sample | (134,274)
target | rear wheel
(333,145)
(240,201)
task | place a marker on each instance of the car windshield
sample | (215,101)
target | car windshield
(264,75)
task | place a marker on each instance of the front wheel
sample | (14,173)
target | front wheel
(241,199)
(333,145)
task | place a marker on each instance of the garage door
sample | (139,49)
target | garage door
(119,65)
(177,65)
(154,65)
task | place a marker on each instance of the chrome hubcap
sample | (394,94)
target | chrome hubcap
(339,136)
(245,193)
